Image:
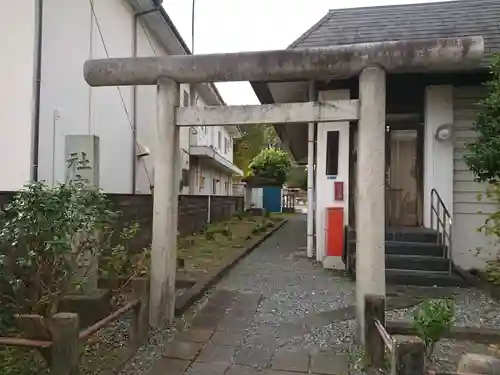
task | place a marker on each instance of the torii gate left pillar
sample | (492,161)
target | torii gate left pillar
(372,60)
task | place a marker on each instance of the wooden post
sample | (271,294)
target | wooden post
(65,350)
(164,244)
(140,318)
(408,357)
(374,344)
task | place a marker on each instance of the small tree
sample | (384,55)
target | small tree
(271,163)
(483,157)
(297,177)
(433,320)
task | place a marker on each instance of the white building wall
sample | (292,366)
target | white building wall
(258,198)
(469,213)
(438,155)
(325,184)
(69,105)
(209,136)
(146,113)
(17,67)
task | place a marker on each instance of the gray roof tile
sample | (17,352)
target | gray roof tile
(407,22)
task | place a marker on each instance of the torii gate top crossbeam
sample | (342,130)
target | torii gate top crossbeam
(296,64)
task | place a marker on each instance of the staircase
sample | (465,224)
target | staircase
(415,256)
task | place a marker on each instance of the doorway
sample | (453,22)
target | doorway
(404,174)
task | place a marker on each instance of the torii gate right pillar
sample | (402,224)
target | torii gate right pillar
(370,205)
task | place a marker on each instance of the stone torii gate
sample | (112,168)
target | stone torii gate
(370,61)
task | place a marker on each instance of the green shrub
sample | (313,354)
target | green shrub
(47,235)
(433,320)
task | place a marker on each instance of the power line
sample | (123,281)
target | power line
(122,98)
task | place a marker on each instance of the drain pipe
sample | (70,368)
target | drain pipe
(37,87)
(134,110)
(310,178)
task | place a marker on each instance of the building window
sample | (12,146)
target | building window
(226,188)
(214,186)
(226,145)
(332,153)
(219,140)
(186,99)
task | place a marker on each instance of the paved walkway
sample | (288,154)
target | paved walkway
(257,321)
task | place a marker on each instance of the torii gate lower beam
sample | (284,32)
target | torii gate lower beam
(372,60)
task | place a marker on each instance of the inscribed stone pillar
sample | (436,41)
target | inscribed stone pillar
(82,169)
(370,216)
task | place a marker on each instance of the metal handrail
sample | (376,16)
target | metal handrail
(441,221)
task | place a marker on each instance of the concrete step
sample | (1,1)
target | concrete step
(406,235)
(420,278)
(414,262)
(409,248)
(424,278)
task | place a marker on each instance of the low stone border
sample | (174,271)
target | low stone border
(492,290)
(186,299)
(479,335)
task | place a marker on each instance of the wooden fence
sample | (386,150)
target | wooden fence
(405,354)
(61,350)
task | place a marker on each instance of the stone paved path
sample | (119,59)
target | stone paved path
(255,321)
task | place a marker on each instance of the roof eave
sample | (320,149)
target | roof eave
(172,42)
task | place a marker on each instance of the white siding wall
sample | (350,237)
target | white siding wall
(69,105)
(17,65)
(469,213)
(146,113)
(209,136)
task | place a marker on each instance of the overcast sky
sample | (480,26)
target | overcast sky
(252,25)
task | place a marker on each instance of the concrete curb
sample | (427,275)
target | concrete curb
(188,298)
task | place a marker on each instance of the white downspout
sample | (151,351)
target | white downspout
(310,179)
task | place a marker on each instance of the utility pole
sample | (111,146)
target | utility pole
(192,91)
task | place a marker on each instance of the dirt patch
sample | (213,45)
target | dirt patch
(205,252)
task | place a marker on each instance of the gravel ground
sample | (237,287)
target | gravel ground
(292,286)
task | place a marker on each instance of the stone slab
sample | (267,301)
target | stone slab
(329,363)
(254,357)
(199,368)
(227,338)
(268,339)
(239,324)
(169,366)
(207,321)
(216,353)
(182,350)
(195,335)
(291,330)
(291,360)
(243,370)
(236,313)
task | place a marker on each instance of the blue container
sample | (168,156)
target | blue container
(271,198)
